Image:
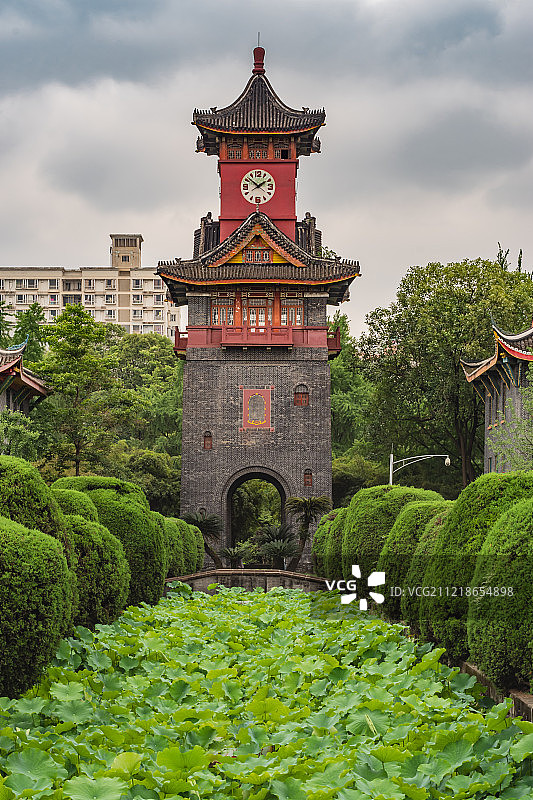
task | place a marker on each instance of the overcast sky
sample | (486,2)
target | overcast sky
(427,154)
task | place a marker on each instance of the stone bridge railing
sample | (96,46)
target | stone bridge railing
(251,579)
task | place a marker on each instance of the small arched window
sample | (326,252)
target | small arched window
(208,440)
(301,395)
(308,477)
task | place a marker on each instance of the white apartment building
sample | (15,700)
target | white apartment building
(126,292)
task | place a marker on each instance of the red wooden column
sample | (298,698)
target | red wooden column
(238,308)
(276,313)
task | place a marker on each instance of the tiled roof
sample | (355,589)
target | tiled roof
(214,266)
(516,345)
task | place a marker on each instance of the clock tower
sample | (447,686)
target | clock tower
(256,385)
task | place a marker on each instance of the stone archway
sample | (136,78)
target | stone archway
(240,477)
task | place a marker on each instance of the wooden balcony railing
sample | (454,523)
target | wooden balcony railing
(257,336)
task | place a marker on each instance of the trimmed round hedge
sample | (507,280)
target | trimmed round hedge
(411,601)
(190,546)
(318,548)
(102,571)
(500,627)
(25,498)
(460,540)
(89,483)
(371,515)
(174,543)
(35,604)
(123,508)
(333,547)
(400,545)
(73,502)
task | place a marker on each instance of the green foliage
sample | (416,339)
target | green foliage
(512,443)
(25,498)
(174,547)
(443,617)
(200,551)
(275,544)
(123,509)
(333,546)
(71,501)
(211,528)
(102,571)
(306,511)
(500,607)
(351,472)
(159,476)
(190,546)
(412,354)
(79,370)
(18,435)
(257,695)
(253,504)
(88,483)
(318,548)
(400,545)
(5,324)
(31,323)
(413,585)
(371,515)
(35,604)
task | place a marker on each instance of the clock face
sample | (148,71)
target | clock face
(258,186)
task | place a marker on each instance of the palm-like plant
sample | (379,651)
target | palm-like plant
(211,527)
(270,533)
(307,511)
(278,550)
(242,553)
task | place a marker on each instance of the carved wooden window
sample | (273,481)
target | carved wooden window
(208,440)
(301,395)
(222,311)
(257,254)
(308,477)
(292,312)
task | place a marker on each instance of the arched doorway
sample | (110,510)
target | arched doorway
(242,477)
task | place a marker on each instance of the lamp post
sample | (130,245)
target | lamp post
(406,462)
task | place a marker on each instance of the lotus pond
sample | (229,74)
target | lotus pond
(258,696)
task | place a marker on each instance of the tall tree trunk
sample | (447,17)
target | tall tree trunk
(293,564)
(214,555)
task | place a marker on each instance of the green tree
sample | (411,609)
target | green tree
(18,436)
(5,324)
(307,511)
(413,349)
(351,393)
(31,324)
(276,543)
(78,418)
(513,443)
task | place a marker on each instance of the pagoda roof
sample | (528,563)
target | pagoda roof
(259,110)
(13,373)
(214,267)
(516,345)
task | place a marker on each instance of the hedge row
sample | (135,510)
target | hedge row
(73,554)
(464,567)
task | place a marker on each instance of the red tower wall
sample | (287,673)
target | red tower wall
(234,208)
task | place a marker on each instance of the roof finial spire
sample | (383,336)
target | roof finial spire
(259,59)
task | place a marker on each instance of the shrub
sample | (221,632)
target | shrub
(102,570)
(35,604)
(123,509)
(456,550)
(318,548)
(160,522)
(25,498)
(190,547)
(371,515)
(500,627)
(200,549)
(174,540)
(89,483)
(411,602)
(73,502)
(333,547)
(400,544)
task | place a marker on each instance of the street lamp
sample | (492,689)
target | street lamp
(406,462)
